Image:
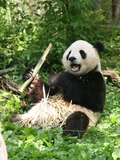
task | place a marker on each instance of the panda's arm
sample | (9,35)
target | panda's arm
(69,85)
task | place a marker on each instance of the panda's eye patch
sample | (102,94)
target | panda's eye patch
(83,54)
(68,55)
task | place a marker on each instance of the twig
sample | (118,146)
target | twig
(4,71)
(110,26)
(36,69)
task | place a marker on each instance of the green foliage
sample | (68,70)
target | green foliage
(3,3)
(16,36)
(27,29)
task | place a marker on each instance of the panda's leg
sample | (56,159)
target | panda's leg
(76,124)
(32,116)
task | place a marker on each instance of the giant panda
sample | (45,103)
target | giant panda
(81,83)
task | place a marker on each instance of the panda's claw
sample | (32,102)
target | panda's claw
(27,75)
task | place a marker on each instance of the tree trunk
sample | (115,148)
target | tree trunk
(116,10)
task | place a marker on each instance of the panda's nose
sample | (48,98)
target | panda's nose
(72,59)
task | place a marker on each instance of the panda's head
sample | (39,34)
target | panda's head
(82,57)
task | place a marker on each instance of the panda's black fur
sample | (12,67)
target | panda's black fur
(76,124)
(82,83)
(87,90)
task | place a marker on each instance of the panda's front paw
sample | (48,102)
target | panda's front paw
(54,88)
(35,81)
(27,75)
(53,80)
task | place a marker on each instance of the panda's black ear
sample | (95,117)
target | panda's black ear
(99,46)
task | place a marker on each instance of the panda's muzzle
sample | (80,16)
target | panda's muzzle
(75,67)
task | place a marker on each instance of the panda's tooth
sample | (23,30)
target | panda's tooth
(75,67)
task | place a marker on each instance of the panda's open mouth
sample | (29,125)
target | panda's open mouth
(75,67)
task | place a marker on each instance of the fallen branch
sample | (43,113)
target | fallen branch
(112,77)
(4,71)
(6,84)
(36,69)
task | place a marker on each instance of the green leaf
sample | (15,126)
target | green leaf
(116,154)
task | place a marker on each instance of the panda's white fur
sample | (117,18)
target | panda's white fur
(87,64)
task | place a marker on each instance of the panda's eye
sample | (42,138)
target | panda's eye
(68,55)
(83,54)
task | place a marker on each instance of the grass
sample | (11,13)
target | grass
(100,143)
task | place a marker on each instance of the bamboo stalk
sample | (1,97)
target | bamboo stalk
(36,69)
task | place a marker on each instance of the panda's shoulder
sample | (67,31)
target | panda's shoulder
(94,76)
